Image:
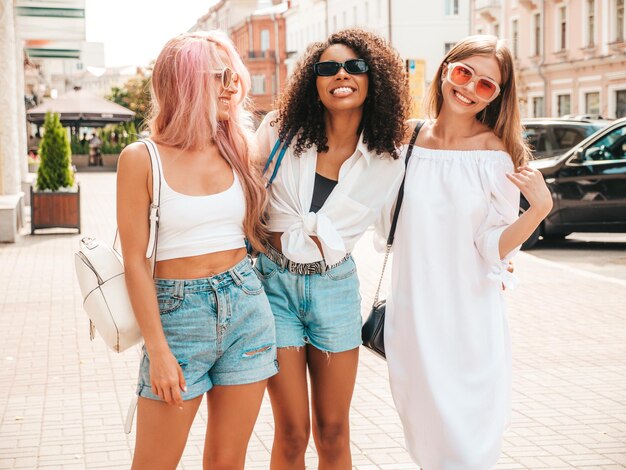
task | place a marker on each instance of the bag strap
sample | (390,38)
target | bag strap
(280,147)
(396,212)
(155,164)
(155,167)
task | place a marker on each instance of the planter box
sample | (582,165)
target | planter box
(80,161)
(109,161)
(54,210)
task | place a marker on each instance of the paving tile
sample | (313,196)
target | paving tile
(64,397)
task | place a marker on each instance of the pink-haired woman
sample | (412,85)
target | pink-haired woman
(206,322)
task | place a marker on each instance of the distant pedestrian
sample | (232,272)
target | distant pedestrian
(206,322)
(341,116)
(446,333)
(95,157)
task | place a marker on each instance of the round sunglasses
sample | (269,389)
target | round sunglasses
(460,74)
(331,67)
(227,76)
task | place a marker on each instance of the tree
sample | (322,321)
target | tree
(134,95)
(54,150)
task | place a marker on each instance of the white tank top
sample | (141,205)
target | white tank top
(197,225)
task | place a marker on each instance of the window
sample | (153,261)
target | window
(265,40)
(591,23)
(537,34)
(366,10)
(355,17)
(334,23)
(496,30)
(562,29)
(452,7)
(344,17)
(447,47)
(258,85)
(619,20)
(592,102)
(610,147)
(538,139)
(515,38)
(564,104)
(567,137)
(538,106)
(620,103)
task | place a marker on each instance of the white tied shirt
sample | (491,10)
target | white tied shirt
(367,186)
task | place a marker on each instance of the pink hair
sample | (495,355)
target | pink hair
(185,97)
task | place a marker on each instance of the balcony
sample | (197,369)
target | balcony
(529,4)
(258,55)
(488,9)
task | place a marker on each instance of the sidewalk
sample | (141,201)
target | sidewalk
(63,398)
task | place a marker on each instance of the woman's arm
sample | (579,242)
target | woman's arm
(134,187)
(532,185)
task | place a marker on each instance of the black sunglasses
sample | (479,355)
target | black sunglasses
(330,68)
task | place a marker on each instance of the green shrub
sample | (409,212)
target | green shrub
(54,151)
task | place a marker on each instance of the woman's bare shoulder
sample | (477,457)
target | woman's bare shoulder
(134,161)
(493,142)
(409,128)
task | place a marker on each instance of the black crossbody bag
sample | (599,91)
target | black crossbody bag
(373,331)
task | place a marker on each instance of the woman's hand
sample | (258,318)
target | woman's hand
(166,378)
(532,185)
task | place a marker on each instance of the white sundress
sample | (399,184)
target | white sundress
(446,331)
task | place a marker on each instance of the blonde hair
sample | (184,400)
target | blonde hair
(185,98)
(502,115)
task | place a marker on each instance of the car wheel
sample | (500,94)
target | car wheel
(532,240)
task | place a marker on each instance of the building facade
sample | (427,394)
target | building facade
(225,14)
(260,39)
(53,34)
(570,54)
(421,35)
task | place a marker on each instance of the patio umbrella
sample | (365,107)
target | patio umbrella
(80,108)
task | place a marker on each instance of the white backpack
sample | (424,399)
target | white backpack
(100,273)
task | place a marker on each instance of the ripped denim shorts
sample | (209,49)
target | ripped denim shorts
(220,329)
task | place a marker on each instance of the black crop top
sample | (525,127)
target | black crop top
(321,190)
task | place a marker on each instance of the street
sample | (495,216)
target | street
(64,398)
(600,253)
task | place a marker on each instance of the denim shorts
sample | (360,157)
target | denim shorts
(323,310)
(220,329)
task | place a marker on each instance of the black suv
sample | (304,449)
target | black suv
(548,137)
(588,186)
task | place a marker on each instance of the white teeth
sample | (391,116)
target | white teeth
(342,90)
(462,98)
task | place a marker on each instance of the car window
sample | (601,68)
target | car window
(567,137)
(538,139)
(610,147)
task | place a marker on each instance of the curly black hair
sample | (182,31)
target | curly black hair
(386,107)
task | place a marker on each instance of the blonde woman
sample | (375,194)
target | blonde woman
(446,332)
(206,321)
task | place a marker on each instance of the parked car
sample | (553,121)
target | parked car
(588,186)
(549,137)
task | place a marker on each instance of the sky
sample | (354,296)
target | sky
(134,31)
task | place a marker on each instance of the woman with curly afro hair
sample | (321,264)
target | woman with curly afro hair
(339,120)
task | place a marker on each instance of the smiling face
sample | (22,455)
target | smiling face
(225,94)
(463,99)
(343,91)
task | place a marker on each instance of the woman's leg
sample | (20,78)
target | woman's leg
(290,405)
(162,432)
(332,384)
(233,410)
